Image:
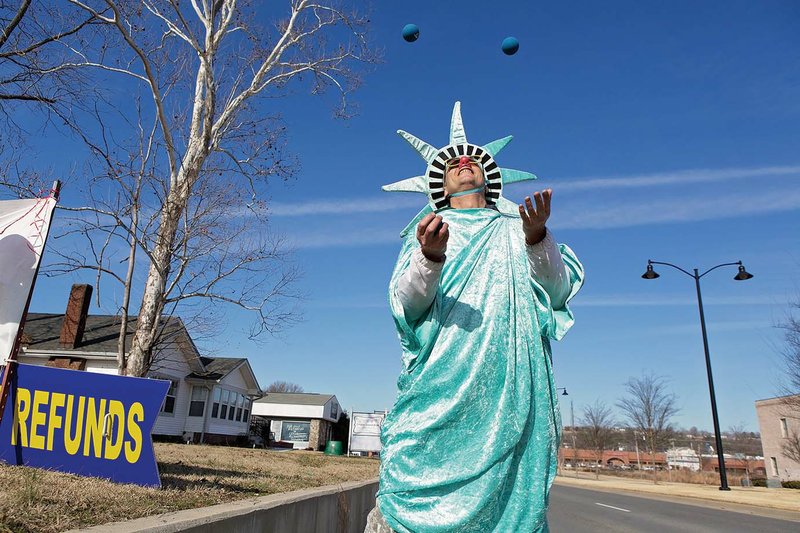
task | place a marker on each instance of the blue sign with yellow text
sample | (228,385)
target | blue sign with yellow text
(83,423)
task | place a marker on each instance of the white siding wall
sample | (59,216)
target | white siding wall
(28,360)
(97,366)
(287,411)
(235,380)
(329,410)
(102,367)
(172,365)
(227,427)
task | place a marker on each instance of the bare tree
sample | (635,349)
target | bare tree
(598,430)
(175,209)
(283,386)
(791,446)
(29,40)
(649,406)
(790,388)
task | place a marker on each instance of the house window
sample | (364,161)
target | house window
(774,463)
(334,410)
(215,406)
(232,406)
(784,428)
(223,406)
(198,404)
(229,405)
(169,401)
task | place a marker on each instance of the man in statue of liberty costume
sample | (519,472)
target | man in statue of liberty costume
(479,290)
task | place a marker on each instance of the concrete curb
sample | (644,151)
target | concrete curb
(341,508)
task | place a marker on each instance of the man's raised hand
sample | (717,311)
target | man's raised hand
(432,234)
(534,218)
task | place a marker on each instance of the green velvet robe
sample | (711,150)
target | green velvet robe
(471,443)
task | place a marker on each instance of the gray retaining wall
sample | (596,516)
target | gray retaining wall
(333,509)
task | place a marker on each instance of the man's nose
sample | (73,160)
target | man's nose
(464,161)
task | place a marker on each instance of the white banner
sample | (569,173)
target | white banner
(365,432)
(23,230)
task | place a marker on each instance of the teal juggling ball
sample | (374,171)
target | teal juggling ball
(510,46)
(410,32)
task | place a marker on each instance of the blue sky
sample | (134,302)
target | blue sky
(667,132)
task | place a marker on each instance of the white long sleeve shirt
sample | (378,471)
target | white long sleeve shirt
(417,286)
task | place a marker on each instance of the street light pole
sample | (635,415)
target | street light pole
(723,476)
(741,276)
(563,447)
(574,449)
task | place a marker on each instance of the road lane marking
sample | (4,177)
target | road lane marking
(612,507)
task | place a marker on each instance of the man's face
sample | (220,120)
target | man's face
(463,173)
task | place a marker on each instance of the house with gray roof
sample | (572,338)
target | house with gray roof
(210,398)
(300,419)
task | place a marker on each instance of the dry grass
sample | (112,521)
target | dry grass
(191,476)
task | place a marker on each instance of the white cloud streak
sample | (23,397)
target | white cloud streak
(680,209)
(625,212)
(393,201)
(680,177)
(628,213)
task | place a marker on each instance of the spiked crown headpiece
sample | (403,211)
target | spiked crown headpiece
(432,182)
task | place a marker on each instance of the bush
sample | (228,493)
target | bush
(790,484)
(758,481)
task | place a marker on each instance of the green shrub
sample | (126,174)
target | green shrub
(758,481)
(790,484)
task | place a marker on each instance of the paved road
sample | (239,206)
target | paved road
(575,510)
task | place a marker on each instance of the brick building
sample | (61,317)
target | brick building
(611,458)
(779,421)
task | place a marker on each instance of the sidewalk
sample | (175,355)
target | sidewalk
(782,499)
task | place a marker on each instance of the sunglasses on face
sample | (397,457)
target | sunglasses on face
(456,161)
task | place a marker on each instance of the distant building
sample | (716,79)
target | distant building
(683,459)
(570,457)
(299,419)
(750,466)
(778,423)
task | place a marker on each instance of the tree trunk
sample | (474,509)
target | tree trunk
(598,460)
(152,306)
(655,470)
